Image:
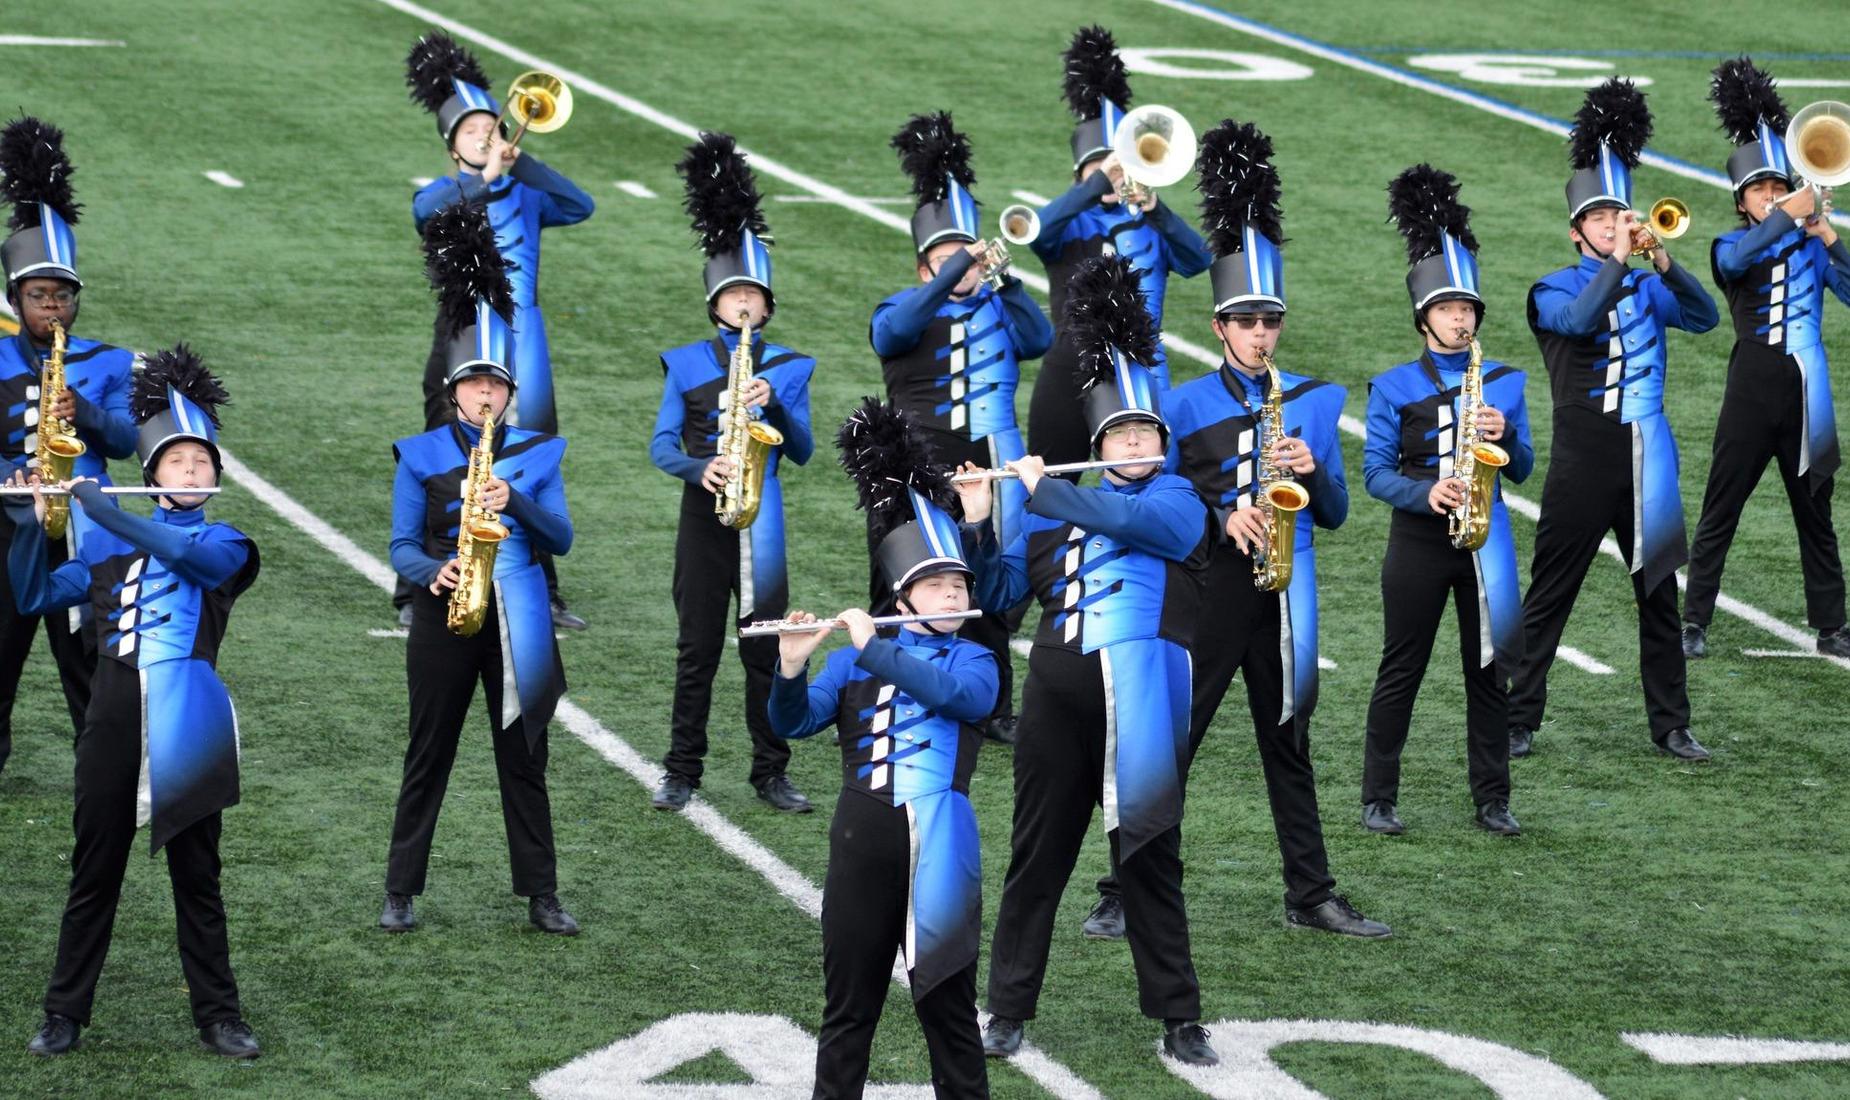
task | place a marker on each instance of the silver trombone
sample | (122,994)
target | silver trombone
(785,626)
(1818,146)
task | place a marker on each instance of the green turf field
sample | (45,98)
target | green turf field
(1643,897)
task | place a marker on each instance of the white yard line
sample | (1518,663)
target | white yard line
(41,40)
(1583,662)
(1802,653)
(631,187)
(1032,198)
(877,200)
(223,179)
(423,181)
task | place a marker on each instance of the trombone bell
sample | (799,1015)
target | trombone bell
(1818,143)
(1020,224)
(1156,146)
(539,101)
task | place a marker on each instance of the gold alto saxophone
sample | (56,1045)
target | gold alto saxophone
(744,439)
(478,536)
(1279,499)
(58,445)
(1475,461)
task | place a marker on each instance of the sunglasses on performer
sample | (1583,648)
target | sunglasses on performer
(1248,320)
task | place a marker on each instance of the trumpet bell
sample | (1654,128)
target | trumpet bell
(540,101)
(1156,145)
(1020,224)
(1669,218)
(1818,143)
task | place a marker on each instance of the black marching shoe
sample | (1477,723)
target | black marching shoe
(1495,817)
(397,915)
(1682,745)
(549,916)
(1379,817)
(782,795)
(562,617)
(57,1035)
(1338,916)
(1695,640)
(1522,741)
(1001,729)
(1187,1042)
(1106,920)
(672,793)
(404,616)
(230,1039)
(1834,643)
(1001,1037)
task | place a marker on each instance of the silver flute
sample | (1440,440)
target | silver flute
(1003,472)
(785,626)
(113,490)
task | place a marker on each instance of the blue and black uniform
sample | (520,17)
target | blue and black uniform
(1105,718)
(1601,326)
(160,739)
(97,375)
(1777,406)
(905,867)
(954,366)
(1075,227)
(714,562)
(1413,430)
(514,655)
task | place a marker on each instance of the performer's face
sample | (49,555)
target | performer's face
(477,390)
(469,135)
(1597,233)
(42,301)
(1758,197)
(741,298)
(1132,439)
(1244,335)
(938,593)
(185,465)
(935,258)
(1451,325)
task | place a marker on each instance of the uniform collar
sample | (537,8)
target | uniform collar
(924,641)
(1453,361)
(1239,382)
(1589,265)
(180,517)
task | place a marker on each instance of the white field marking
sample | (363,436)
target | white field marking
(1223,64)
(1325,664)
(876,200)
(1021,647)
(1533,72)
(631,187)
(1782,653)
(828,193)
(224,179)
(1812,82)
(1583,662)
(423,181)
(1032,198)
(394,632)
(38,40)
(1730,1050)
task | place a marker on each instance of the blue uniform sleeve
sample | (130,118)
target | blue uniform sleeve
(1001,576)
(1681,301)
(109,421)
(1838,273)
(562,202)
(1733,258)
(408,511)
(1381,474)
(1517,441)
(1577,314)
(1029,328)
(1188,253)
(665,445)
(206,563)
(898,325)
(36,591)
(1167,520)
(1059,213)
(799,710)
(440,193)
(788,412)
(1329,486)
(966,691)
(544,516)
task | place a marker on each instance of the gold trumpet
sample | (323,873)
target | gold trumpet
(1667,220)
(539,101)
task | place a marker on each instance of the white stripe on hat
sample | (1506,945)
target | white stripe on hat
(921,509)
(181,418)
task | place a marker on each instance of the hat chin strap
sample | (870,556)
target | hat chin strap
(906,607)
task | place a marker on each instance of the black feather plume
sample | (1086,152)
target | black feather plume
(1094,71)
(1614,113)
(463,264)
(1744,95)
(182,369)
(930,150)
(37,171)
(886,453)
(722,194)
(432,62)
(1423,202)
(1105,308)
(1238,185)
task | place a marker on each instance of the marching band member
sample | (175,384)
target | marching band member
(160,740)
(1090,220)
(523,197)
(1105,711)
(1600,324)
(42,287)
(714,562)
(951,351)
(904,861)
(1777,405)
(514,654)
(1415,432)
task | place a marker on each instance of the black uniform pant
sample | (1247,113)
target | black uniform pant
(706,580)
(1059,778)
(1588,493)
(73,650)
(442,670)
(1242,635)
(1056,418)
(863,925)
(1762,420)
(1421,571)
(107,777)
